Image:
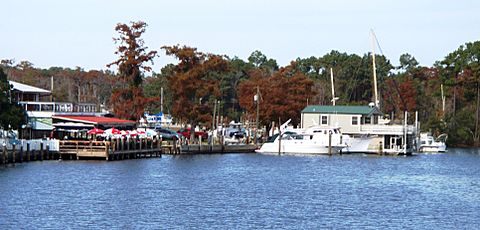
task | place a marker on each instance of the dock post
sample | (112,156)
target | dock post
(107,149)
(48,152)
(175,146)
(14,154)
(4,154)
(135,148)
(330,143)
(28,151)
(41,151)
(279,143)
(21,153)
(140,144)
(122,148)
(200,143)
(380,148)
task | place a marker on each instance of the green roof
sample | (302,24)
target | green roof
(342,109)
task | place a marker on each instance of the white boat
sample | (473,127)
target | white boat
(323,141)
(428,143)
(234,134)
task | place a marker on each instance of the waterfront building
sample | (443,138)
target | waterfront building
(367,130)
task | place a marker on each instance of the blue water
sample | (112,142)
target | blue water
(246,191)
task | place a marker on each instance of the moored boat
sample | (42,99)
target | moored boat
(428,143)
(323,141)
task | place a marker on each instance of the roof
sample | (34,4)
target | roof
(342,109)
(94,120)
(28,88)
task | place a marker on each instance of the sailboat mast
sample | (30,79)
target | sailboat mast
(374,72)
(333,88)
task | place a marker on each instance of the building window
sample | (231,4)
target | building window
(354,120)
(324,120)
(368,120)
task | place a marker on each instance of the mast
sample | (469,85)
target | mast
(333,88)
(375,91)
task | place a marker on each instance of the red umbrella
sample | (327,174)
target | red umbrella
(95,131)
(112,131)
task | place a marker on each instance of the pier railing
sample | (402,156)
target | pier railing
(387,129)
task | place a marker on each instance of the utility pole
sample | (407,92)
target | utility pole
(161,100)
(214,113)
(51,89)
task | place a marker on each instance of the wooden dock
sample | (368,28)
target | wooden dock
(213,149)
(115,149)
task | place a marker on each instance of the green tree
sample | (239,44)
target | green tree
(461,71)
(12,116)
(407,62)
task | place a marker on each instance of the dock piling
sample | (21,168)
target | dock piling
(21,154)
(28,152)
(41,151)
(4,155)
(14,155)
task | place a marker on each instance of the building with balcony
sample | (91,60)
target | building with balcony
(44,115)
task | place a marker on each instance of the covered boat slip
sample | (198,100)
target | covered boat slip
(379,144)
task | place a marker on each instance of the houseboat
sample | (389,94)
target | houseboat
(364,127)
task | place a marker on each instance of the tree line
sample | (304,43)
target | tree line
(201,82)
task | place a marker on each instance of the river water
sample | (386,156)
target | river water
(245,191)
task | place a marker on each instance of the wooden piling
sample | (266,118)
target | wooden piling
(28,151)
(41,151)
(48,152)
(330,143)
(21,154)
(4,155)
(14,154)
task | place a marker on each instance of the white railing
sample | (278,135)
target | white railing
(36,106)
(35,144)
(387,129)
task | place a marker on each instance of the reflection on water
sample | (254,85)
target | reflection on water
(246,191)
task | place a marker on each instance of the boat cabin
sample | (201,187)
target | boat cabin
(350,118)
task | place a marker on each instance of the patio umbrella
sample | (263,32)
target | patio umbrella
(112,131)
(95,131)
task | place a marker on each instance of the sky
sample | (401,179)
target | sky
(78,33)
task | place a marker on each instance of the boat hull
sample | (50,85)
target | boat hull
(298,148)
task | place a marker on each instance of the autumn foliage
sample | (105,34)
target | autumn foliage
(127,98)
(282,95)
(195,83)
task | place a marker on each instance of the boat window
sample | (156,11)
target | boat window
(354,120)
(272,138)
(324,120)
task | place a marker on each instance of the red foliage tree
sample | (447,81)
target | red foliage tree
(127,98)
(195,83)
(283,94)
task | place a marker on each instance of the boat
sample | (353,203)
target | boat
(313,141)
(428,143)
(234,134)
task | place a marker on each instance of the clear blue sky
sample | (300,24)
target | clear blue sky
(70,33)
